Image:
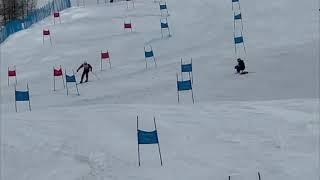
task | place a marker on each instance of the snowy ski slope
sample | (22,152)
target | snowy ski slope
(266,121)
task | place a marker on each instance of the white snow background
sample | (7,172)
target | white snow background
(266,121)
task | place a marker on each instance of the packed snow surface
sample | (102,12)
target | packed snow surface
(266,121)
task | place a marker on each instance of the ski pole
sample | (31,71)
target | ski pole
(95,75)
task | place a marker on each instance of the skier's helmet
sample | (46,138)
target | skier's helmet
(238,59)
(85,62)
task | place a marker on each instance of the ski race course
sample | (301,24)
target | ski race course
(266,121)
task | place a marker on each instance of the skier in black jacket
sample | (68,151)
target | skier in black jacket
(241,66)
(86,68)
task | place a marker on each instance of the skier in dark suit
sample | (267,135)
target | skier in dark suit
(241,66)
(86,68)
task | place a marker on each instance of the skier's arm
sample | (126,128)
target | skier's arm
(90,67)
(80,67)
